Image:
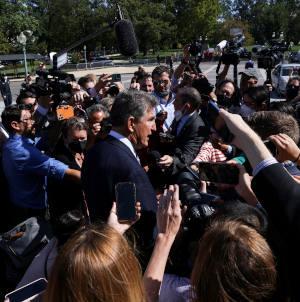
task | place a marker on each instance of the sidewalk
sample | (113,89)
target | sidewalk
(110,70)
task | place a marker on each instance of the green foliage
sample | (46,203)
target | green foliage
(159,24)
(16,16)
(266,17)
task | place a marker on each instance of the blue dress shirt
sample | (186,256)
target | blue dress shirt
(26,169)
(168,106)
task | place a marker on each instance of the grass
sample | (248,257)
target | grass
(19,69)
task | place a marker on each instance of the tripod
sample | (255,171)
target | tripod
(229,59)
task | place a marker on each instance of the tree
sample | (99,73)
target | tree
(16,16)
(196,18)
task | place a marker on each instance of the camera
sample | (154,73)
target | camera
(200,206)
(203,86)
(165,137)
(195,48)
(269,57)
(55,84)
(232,50)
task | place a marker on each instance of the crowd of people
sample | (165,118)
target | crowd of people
(66,145)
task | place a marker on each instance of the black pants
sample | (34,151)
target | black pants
(7,99)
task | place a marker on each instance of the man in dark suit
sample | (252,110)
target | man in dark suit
(114,159)
(279,194)
(188,129)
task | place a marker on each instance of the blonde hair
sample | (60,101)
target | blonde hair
(234,263)
(96,264)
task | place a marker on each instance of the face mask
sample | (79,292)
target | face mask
(224,101)
(245,111)
(78,146)
(292,92)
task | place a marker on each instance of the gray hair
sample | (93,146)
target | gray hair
(131,103)
(97,108)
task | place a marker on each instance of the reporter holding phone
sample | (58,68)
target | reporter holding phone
(26,168)
(278,193)
(98,256)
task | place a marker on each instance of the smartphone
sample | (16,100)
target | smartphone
(64,112)
(116,77)
(219,173)
(212,115)
(27,292)
(125,200)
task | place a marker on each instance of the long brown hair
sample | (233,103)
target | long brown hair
(234,263)
(96,264)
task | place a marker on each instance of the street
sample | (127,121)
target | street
(208,68)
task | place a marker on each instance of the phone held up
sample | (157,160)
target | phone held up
(27,292)
(125,201)
(212,115)
(222,173)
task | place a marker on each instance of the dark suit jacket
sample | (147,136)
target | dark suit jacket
(188,141)
(279,194)
(108,162)
(64,195)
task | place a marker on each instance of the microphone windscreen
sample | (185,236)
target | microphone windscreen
(126,38)
(154,156)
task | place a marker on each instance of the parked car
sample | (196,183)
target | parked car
(98,61)
(281,74)
(99,58)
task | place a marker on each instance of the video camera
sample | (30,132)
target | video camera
(54,83)
(195,48)
(231,50)
(269,57)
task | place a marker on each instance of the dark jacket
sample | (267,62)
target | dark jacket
(188,141)
(65,195)
(279,194)
(108,162)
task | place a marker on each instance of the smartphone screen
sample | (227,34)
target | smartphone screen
(116,77)
(219,173)
(125,200)
(27,292)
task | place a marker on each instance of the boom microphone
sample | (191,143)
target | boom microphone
(126,38)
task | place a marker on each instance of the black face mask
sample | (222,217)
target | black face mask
(78,146)
(292,92)
(224,101)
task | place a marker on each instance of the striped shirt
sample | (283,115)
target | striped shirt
(208,153)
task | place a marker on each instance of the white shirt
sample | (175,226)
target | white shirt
(125,141)
(165,106)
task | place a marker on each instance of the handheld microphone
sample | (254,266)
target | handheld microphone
(154,157)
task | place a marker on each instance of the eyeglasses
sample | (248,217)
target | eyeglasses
(29,107)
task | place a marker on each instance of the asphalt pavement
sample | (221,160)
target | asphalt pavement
(208,68)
